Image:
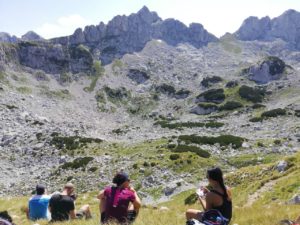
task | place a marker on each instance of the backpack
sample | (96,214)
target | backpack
(5,218)
(214,217)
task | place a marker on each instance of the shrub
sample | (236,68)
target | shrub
(174,156)
(93,169)
(135,166)
(231,105)
(212,95)
(257,106)
(277,142)
(72,142)
(166,124)
(207,81)
(256,119)
(274,113)
(232,84)
(77,163)
(223,140)
(186,148)
(251,94)
(166,89)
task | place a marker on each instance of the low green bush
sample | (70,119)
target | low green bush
(77,163)
(231,105)
(212,95)
(174,156)
(207,81)
(223,140)
(274,113)
(72,142)
(254,95)
(186,148)
(167,124)
(256,119)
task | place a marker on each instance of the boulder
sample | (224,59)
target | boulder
(282,166)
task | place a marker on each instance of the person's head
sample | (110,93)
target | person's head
(215,176)
(40,189)
(121,179)
(69,189)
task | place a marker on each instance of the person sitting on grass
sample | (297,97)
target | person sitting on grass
(119,203)
(218,198)
(290,222)
(62,206)
(38,205)
(5,218)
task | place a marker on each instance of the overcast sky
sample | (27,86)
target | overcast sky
(53,18)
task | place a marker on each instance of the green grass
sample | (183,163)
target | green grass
(98,71)
(24,90)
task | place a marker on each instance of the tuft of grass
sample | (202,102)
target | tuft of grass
(186,148)
(179,125)
(24,90)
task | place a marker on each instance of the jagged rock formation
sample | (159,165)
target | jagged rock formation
(31,36)
(5,37)
(127,34)
(269,69)
(285,27)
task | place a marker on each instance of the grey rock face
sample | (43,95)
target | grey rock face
(138,76)
(254,29)
(285,27)
(55,58)
(271,68)
(5,37)
(127,34)
(31,36)
(203,110)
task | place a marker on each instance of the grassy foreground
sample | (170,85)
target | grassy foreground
(269,207)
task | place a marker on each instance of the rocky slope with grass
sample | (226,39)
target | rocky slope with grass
(165,107)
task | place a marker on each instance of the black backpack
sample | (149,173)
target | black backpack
(210,217)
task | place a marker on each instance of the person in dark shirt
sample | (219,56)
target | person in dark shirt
(119,203)
(218,197)
(62,206)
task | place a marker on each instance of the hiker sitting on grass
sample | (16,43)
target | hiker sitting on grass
(119,203)
(62,206)
(218,198)
(5,218)
(38,205)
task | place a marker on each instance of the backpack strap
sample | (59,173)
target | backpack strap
(218,193)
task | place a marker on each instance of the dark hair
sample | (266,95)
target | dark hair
(217,175)
(40,189)
(120,178)
(4,215)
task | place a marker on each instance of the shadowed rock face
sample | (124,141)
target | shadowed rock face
(285,27)
(269,69)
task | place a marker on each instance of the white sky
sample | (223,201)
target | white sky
(53,18)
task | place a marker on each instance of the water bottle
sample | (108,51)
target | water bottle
(219,220)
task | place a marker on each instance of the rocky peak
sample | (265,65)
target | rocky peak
(147,16)
(31,36)
(127,34)
(285,27)
(5,37)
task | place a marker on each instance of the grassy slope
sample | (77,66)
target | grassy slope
(267,210)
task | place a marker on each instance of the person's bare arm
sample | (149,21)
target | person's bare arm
(298,220)
(101,195)
(72,214)
(137,201)
(27,212)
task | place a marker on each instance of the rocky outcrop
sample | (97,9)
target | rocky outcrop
(127,34)
(5,37)
(31,36)
(55,58)
(285,27)
(269,69)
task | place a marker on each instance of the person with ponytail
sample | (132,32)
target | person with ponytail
(119,203)
(218,197)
